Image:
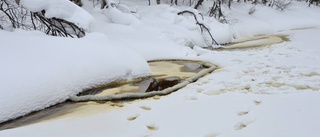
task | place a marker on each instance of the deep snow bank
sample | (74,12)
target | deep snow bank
(38,71)
(151,35)
(159,26)
(267,20)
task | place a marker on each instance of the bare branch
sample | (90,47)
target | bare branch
(201,25)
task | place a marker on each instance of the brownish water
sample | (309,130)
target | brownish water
(256,41)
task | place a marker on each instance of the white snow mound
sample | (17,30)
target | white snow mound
(35,76)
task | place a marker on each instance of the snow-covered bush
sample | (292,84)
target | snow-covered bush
(280,4)
(316,2)
(216,11)
(205,30)
(78,2)
(55,17)
(57,27)
(175,2)
(13,16)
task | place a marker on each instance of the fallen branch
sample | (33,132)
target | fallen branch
(128,96)
(201,25)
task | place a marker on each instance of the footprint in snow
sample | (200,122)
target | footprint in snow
(145,107)
(152,127)
(156,97)
(242,113)
(257,101)
(133,117)
(190,97)
(215,134)
(199,90)
(243,124)
(116,105)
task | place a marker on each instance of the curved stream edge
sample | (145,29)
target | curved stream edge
(129,96)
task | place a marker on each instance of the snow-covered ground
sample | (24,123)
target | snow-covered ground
(265,91)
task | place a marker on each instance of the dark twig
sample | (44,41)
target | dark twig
(32,20)
(198,4)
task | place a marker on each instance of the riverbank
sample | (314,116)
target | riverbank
(256,90)
(253,94)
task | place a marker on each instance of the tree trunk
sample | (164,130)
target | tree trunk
(78,2)
(174,2)
(18,2)
(198,4)
(264,2)
(104,4)
(229,3)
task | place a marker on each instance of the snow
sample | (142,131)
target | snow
(264,91)
(176,115)
(45,70)
(118,17)
(267,20)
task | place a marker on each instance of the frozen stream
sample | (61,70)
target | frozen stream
(256,41)
(165,74)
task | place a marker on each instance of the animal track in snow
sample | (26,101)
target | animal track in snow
(116,105)
(244,111)
(156,97)
(190,97)
(242,124)
(239,126)
(131,118)
(215,134)
(241,113)
(152,127)
(199,90)
(145,107)
(257,101)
